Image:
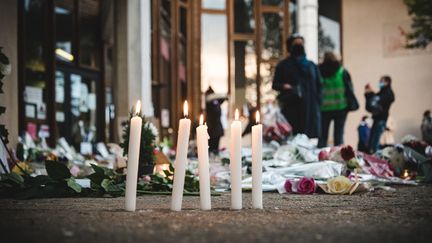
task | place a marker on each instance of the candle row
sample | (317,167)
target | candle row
(203,158)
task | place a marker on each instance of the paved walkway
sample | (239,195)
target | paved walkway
(401,216)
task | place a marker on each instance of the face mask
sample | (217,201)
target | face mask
(297,50)
(381,85)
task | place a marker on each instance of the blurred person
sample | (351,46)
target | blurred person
(426,127)
(250,111)
(387,137)
(338,99)
(363,131)
(298,81)
(213,118)
(379,105)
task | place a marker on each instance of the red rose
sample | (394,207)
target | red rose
(288,186)
(306,186)
(347,153)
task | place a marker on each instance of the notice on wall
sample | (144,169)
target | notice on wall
(41,111)
(30,111)
(75,85)
(91,101)
(59,87)
(84,98)
(60,116)
(33,95)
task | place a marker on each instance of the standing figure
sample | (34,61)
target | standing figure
(213,114)
(387,138)
(379,105)
(363,130)
(299,84)
(338,99)
(426,127)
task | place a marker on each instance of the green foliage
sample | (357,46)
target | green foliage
(56,170)
(147,143)
(421,14)
(60,183)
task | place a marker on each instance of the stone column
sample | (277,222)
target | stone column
(146,81)
(307,19)
(9,42)
(132,58)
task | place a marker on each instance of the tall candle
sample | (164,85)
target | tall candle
(180,161)
(257,164)
(133,157)
(203,166)
(236,163)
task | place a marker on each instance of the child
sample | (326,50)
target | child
(363,133)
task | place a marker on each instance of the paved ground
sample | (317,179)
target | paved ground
(402,216)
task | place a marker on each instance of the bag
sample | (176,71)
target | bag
(353,104)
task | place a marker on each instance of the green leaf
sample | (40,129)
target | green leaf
(15,178)
(56,170)
(73,185)
(97,169)
(96,178)
(110,186)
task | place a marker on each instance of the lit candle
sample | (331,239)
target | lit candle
(257,164)
(203,166)
(181,160)
(133,156)
(236,163)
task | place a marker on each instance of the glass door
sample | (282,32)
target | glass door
(257,33)
(76,106)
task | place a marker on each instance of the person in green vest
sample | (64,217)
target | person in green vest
(338,99)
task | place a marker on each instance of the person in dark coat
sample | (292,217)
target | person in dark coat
(298,81)
(379,105)
(338,99)
(213,115)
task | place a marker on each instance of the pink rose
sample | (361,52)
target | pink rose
(323,155)
(288,186)
(306,186)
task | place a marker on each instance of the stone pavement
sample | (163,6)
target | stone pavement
(380,216)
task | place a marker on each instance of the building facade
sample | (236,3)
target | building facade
(80,65)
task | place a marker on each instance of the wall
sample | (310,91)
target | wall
(365,23)
(9,41)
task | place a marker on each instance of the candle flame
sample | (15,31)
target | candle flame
(201,121)
(185,108)
(236,115)
(138,107)
(257,117)
(405,174)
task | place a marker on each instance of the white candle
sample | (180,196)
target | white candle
(257,164)
(203,166)
(180,161)
(133,157)
(236,163)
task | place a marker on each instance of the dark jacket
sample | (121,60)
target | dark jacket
(385,97)
(304,98)
(213,117)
